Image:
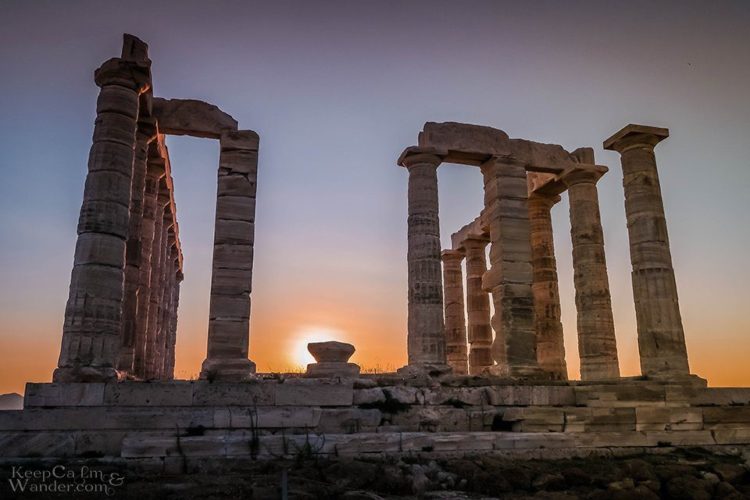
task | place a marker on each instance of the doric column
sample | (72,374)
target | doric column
(425,339)
(231,280)
(455,317)
(550,347)
(661,339)
(133,254)
(170,356)
(510,275)
(477,306)
(154,174)
(93,315)
(597,345)
(155,288)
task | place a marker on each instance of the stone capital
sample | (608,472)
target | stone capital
(636,136)
(589,174)
(147,130)
(415,155)
(130,74)
(543,199)
(475,242)
(452,256)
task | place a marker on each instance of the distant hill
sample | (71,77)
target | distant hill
(11,401)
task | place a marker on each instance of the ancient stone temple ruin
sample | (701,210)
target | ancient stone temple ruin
(474,383)
(522,181)
(121,317)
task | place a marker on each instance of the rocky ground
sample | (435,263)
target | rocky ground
(680,474)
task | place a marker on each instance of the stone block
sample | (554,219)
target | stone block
(456,396)
(726,417)
(240,139)
(248,393)
(402,394)
(235,208)
(622,394)
(174,393)
(275,417)
(107,443)
(720,396)
(668,419)
(63,394)
(35,444)
(315,392)
(368,396)
(349,420)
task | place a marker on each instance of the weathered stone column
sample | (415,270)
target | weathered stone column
(133,254)
(550,347)
(661,339)
(477,306)
(510,275)
(231,281)
(170,356)
(155,288)
(93,315)
(455,317)
(163,339)
(154,174)
(426,339)
(597,345)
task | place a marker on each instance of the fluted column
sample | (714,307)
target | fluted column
(510,275)
(154,174)
(155,288)
(169,359)
(477,306)
(231,280)
(550,347)
(455,317)
(661,339)
(145,134)
(93,315)
(425,338)
(597,345)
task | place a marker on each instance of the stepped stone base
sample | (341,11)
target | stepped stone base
(276,416)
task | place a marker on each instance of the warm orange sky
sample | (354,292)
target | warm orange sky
(336,91)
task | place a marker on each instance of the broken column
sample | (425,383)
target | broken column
(661,339)
(477,306)
(549,331)
(426,340)
(229,310)
(331,360)
(455,317)
(510,276)
(93,315)
(597,345)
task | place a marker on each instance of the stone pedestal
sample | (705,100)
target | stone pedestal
(426,339)
(455,317)
(93,315)
(511,273)
(661,339)
(332,360)
(550,347)
(231,280)
(597,345)
(477,306)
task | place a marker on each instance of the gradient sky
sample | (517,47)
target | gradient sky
(336,90)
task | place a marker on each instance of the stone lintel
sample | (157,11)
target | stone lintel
(471,230)
(632,135)
(475,144)
(191,117)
